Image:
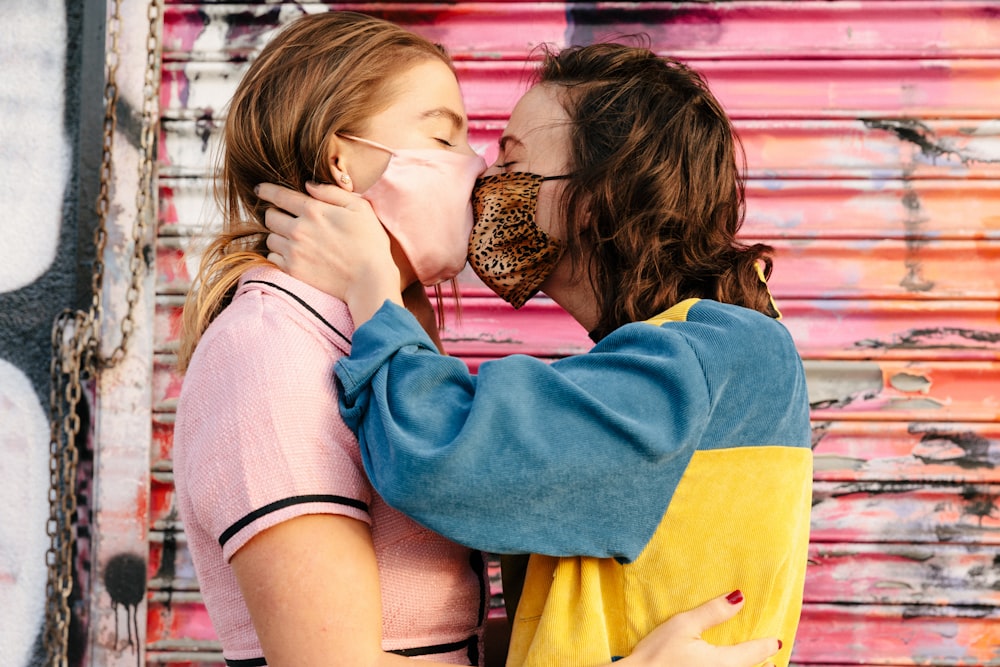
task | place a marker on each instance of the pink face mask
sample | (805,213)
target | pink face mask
(422,199)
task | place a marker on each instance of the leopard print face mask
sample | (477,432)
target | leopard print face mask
(507,249)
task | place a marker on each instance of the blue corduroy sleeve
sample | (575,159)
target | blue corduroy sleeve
(578,457)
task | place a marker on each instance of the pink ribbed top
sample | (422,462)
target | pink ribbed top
(259,440)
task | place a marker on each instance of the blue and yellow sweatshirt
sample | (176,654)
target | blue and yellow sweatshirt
(668,465)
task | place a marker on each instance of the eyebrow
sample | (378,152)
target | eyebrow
(457,120)
(508,139)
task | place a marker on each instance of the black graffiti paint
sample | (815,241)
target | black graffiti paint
(248,29)
(589,23)
(966,449)
(912,131)
(168,559)
(979,503)
(935,338)
(125,581)
(819,431)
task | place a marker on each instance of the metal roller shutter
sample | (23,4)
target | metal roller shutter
(872,133)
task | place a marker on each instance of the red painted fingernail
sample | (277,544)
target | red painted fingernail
(780,644)
(735,597)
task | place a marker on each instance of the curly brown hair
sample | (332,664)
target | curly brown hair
(656,194)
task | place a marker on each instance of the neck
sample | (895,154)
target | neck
(572,290)
(575,297)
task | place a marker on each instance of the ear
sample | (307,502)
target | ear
(338,156)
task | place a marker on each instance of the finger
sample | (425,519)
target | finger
(279,222)
(713,612)
(282,197)
(747,653)
(278,244)
(277,260)
(331,194)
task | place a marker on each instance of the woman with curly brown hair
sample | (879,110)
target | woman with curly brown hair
(669,464)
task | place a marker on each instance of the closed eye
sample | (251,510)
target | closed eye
(444,142)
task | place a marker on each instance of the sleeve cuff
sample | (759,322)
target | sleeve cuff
(391,328)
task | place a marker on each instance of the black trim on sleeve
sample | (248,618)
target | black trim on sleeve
(472,641)
(228,533)
(249,662)
(471,644)
(302,303)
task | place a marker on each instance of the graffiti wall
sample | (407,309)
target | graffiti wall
(52,122)
(39,121)
(872,137)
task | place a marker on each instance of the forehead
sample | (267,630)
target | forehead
(539,122)
(429,84)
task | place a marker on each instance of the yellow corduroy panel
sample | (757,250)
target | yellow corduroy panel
(739,519)
(676,313)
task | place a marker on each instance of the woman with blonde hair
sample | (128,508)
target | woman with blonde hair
(299,561)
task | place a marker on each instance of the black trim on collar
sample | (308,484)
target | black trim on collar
(302,303)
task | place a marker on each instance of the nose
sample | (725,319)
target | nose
(492,169)
(466,147)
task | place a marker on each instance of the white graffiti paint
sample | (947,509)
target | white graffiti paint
(35,161)
(34,151)
(24,508)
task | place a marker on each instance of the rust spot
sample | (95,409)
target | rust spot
(910,383)
(824,463)
(915,553)
(837,385)
(913,404)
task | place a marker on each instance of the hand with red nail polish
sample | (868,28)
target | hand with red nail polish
(677,642)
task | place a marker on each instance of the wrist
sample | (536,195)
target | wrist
(368,295)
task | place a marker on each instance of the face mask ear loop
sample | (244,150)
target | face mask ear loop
(367,142)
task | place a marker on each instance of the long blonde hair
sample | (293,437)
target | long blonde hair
(322,74)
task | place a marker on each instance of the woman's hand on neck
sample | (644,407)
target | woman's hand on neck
(332,240)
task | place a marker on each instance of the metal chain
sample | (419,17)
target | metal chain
(76,354)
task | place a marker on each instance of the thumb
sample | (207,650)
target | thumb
(332,194)
(747,653)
